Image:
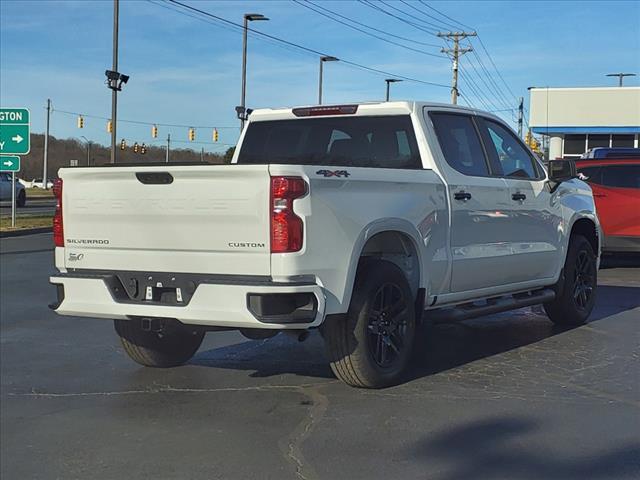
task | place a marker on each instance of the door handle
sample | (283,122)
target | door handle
(462,196)
(599,195)
(519,196)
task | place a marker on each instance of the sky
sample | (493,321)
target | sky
(187,71)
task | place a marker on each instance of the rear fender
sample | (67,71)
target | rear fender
(380,226)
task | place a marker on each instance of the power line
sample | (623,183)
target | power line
(473,87)
(496,68)
(79,114)
(411,40)
(306,49)
(496,88)
(421,12)
(500,103)
(414,25)
(445,16)
(365,32)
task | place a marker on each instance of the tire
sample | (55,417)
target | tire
(171,346)
(367,349)
(21,201)
(576,289)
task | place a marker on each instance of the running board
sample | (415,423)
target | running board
(490,305)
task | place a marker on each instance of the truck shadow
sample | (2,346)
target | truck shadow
(493,448)
(439,347)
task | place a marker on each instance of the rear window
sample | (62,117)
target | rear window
(381,142)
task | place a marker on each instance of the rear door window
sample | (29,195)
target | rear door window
(381,142)
(460,143)
(621,176)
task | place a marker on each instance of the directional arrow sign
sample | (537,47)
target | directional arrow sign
(9,163)
(14,131)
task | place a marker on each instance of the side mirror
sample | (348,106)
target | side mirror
(562,170)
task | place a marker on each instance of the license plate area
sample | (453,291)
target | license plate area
(151,288)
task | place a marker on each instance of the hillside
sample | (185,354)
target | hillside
(61,151)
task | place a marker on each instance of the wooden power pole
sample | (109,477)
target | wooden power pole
(456,52)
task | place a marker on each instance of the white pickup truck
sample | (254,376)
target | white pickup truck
(360,220)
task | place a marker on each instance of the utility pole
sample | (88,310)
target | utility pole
(456,52)
(520,116)
(46,147)
(114,92)
(168,147)
(202,155)
(620,76)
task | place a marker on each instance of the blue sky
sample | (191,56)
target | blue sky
(187,71)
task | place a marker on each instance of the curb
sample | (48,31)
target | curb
(26,231)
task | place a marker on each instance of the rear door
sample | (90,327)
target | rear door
(190,219)
(479,223)
(618,199)
(534,215)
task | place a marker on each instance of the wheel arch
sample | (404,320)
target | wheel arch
(588,228)
(395,240)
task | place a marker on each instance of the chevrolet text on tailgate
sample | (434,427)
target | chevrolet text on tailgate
(363,221)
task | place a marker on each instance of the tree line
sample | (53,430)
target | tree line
(62,151)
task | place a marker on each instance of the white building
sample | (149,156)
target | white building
(577,119)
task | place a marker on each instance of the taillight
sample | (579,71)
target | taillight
(286,226)
(58,231)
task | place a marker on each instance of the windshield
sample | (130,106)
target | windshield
(381,142)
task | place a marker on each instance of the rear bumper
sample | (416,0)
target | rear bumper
(264,306)
(621,244)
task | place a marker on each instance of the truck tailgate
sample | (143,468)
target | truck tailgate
(208,219)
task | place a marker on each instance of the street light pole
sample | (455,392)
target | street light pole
(248,17)
(620,76)
(322,60)
(389,81)
(114,92)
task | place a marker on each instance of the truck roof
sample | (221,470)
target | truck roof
(364,108)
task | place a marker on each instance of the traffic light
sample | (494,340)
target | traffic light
(123,144)
(135,147)
(109,126)
(143,149)
(154,131)
(527,139)
(80,121)
(215,134)
(192,134)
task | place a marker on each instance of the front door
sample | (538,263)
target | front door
(534,214)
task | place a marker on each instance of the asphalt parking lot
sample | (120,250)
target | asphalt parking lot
(503,397)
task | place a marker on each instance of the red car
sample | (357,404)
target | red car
(616,189)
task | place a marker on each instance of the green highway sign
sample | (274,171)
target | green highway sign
(9,163)
(15,129)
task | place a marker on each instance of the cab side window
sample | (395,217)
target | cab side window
(460,143)
(506,152)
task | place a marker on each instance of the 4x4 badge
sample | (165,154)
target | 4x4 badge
(333,173)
